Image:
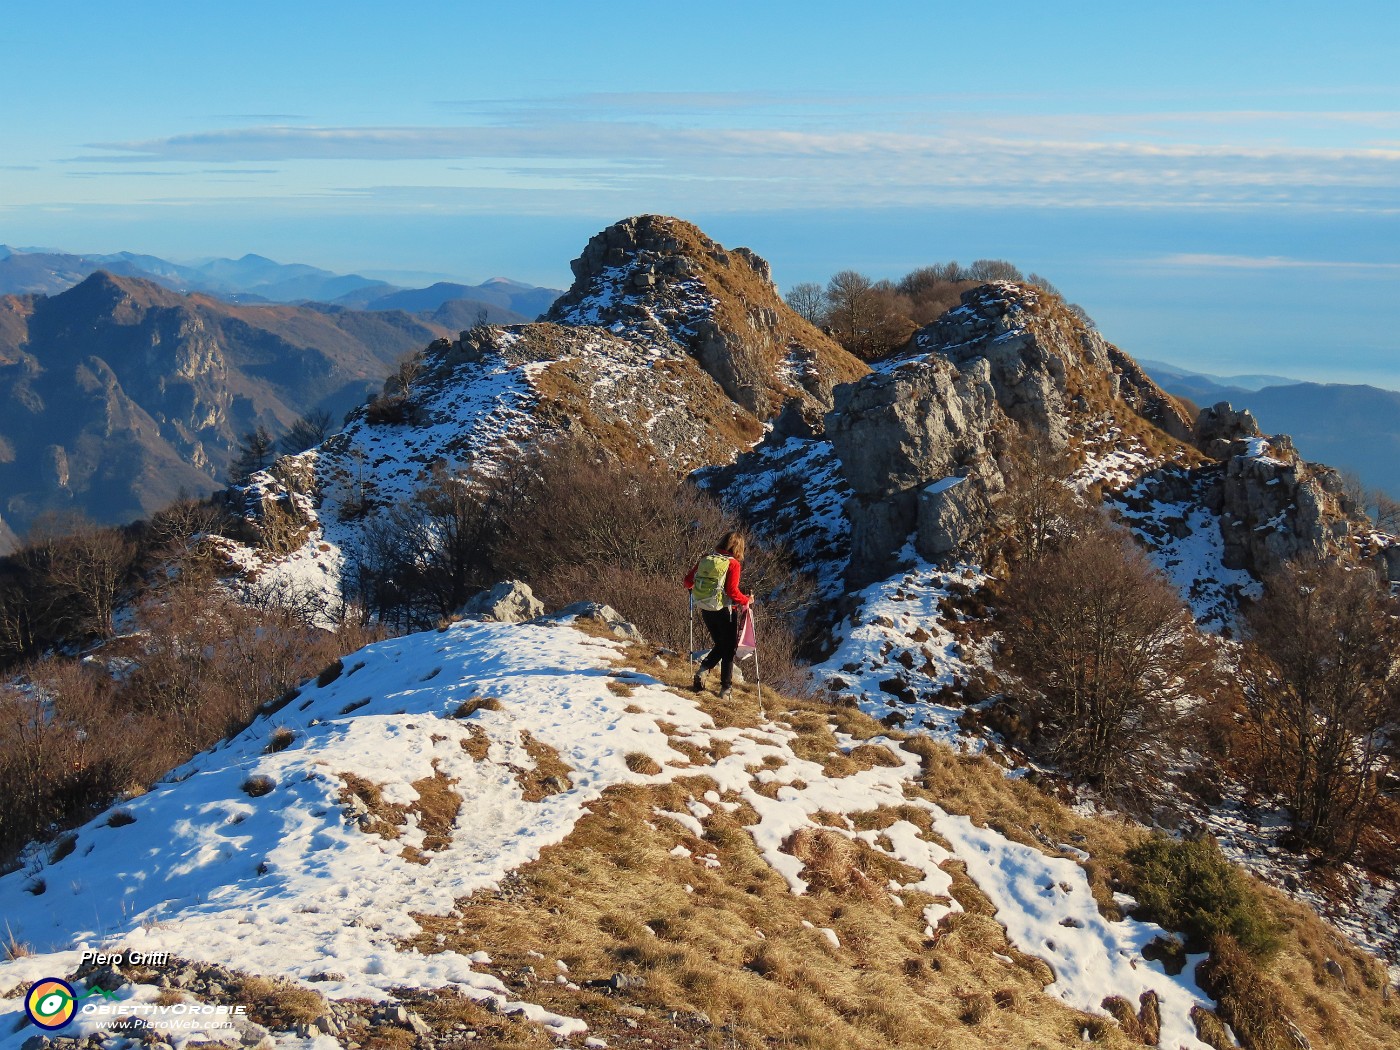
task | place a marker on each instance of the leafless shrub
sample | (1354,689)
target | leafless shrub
(591,528)
(1105,647)
(1038,506)
(1323,696)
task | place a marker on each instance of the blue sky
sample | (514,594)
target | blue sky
(1218,184)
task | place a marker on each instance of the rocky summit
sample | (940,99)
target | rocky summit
(663,281)
(667,347)
(922,441)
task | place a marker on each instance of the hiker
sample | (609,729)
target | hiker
(714,586)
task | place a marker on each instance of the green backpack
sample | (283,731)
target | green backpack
(708,586)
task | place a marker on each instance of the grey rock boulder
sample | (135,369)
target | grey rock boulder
(951,513)
(1276,508)
(599,613)
(898,431)
(1220,428)
(510,601)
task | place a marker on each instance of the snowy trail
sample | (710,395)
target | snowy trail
(289,883)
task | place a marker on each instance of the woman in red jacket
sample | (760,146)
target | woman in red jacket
(714,586)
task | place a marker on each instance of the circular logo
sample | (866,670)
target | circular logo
(49,1003)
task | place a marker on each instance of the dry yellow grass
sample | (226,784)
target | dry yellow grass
(277,1004)
(727,956)
(385,818)
(733,947)
(550,774)
(437,807)
(477,743)
(479,703)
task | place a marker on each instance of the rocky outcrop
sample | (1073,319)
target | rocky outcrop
(1388,562)
(663,281)
(1220,426)
(1276,508)
(510,601)
(919,442)
(602,617)
(901,435)
(1049,368)
(605,388)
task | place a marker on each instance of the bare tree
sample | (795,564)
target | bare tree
(1104,646)
(869,319)
(1385,511)
(1082,315)
(993,270)
(404,379)
(1323,695)
(177,529)
(808,299)
(1354,494)
(933,290)
(94,564)
(256,450)
(307,432)
(1039,504)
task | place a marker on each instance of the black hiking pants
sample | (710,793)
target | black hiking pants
(723,625)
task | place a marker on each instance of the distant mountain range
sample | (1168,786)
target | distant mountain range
(1351,427)
(255,278)
(118,393)
(127,378)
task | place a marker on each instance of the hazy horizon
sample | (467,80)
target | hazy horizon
(1218,190)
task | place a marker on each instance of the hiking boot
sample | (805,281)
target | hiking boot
(698,684)
(725,693)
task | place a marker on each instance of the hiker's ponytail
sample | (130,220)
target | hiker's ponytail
(732,543)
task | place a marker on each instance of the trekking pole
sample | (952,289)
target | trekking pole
(690,623)
(757,677)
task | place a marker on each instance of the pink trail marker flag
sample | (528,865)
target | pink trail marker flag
(747,641)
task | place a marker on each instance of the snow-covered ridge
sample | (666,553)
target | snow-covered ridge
(261,859)
(476,403)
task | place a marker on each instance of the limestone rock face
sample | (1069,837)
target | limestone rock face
(663,281)
(1220,426)
(951,512)
(1029,375)
(1275,508)
(1388,562)
(919,440)
(896,433)
(604,616)
(1047,365)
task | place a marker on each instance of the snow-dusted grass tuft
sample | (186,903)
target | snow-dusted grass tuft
(15,948)
(258,785)
(479,703)
(330,673)
(641,763)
